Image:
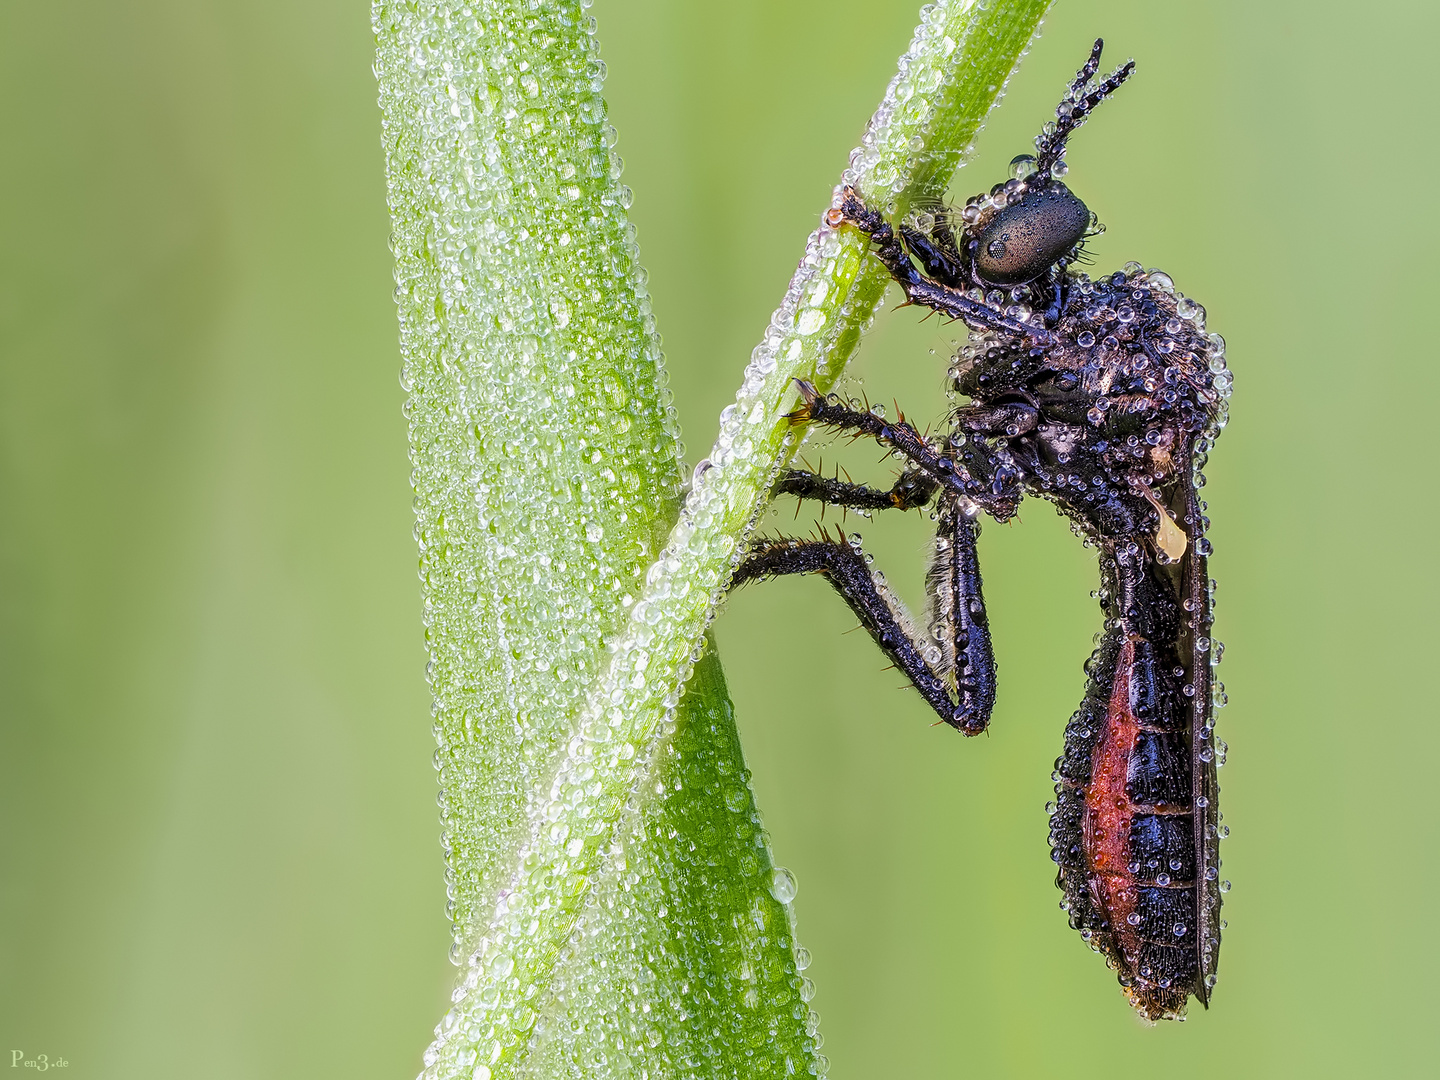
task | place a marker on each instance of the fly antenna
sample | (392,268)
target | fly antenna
(1074,108)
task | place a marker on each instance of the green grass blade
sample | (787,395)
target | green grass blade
(686,950)
(546,464)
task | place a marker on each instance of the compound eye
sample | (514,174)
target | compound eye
(1026,238)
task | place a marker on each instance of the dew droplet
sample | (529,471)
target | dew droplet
(782,885)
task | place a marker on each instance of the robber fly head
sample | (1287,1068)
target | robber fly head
(1033,222)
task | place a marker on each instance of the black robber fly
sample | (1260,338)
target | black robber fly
(1104,396)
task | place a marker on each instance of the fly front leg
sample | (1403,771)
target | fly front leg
(882,614)
(936,258)
(921,289)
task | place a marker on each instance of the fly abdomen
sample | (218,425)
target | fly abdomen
(1123,831)
(1162,848)
(1158,772)
(1166,979)
(1152,687)
(1165,916)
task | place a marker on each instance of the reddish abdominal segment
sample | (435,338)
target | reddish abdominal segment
(1127,863)
(1105,825)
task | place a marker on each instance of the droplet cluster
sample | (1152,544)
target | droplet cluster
(813,331)
(958,64)
(545,456)
(1139,348)
(684,959)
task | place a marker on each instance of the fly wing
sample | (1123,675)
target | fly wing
(1195,650)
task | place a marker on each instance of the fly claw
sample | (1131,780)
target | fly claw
(1103,396)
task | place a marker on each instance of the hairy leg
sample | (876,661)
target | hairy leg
(958,613)
(960,646)
(972,471)
(912,490)
(920,289)
(844,566)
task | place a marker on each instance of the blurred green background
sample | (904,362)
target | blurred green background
(219,852)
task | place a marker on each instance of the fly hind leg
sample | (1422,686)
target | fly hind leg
(844,565)
(954,669)
(957,614)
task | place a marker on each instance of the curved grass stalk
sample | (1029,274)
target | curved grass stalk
(576,796)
